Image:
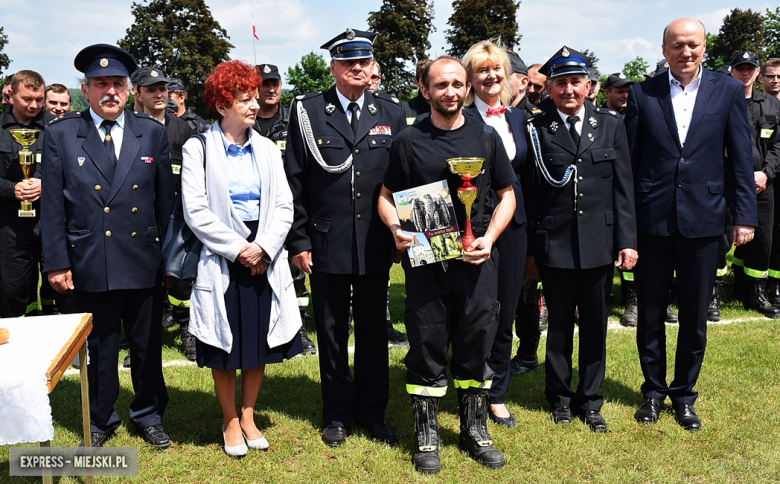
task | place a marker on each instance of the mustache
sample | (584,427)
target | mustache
(109,97)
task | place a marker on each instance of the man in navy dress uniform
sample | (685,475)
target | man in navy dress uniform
(338,146)
(107,195)
(679,126)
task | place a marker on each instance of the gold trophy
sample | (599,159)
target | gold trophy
(26,137)
(467,169)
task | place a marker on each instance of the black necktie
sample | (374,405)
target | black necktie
(354,123)
(109,142)
(575,136)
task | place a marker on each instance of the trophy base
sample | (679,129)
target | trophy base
(27,213)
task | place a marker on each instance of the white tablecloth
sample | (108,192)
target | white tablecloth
(25,413)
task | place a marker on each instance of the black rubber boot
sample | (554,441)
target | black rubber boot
(167,320)
(713,312)
(187,341)
(526,359)
(773,291)
(308,346)
(630,315)
(474,437)
(426,432)
(756,300)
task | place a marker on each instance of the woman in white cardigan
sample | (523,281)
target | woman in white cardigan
(237,202)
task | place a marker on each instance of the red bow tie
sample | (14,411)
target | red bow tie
(496,111)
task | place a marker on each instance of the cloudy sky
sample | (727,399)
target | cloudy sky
(45,35)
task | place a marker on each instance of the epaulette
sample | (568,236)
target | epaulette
(387,97)
(139,114)
(608,111)
(536,114)
(534,110)
(71,115)
(308,95)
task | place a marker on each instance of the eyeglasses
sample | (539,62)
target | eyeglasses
(771,77)
(375,77)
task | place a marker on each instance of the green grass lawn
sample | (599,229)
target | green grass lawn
(739,440)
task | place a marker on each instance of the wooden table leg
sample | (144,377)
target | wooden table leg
(85,401)
(46,473)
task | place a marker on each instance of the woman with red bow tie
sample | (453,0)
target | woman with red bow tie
(488,68)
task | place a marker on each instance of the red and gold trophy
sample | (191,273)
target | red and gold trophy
(467,169)
(26,137)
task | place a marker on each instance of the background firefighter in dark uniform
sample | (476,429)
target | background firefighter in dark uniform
(418,105)
(763,112)
(271,122)
(337,152)
(452,303)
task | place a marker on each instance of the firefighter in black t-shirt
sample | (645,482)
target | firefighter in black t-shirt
(452,303)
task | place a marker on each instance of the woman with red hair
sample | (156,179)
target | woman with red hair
(237,202)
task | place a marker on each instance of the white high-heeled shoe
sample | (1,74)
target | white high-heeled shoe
(257,444)
(235,450)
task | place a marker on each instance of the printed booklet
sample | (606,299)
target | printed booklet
(427,213)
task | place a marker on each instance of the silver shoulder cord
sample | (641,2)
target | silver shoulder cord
(569,174)
(307,133)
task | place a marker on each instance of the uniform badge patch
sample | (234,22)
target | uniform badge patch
(593,122)
(330,108)
(154,74)
(147,159)
(267,69)
(554,126)
(81,160)
(281,144)
(380,130)
(565,52)
(371,109)
(103,62)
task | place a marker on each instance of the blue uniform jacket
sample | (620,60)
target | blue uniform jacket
(107,231)
(684,188)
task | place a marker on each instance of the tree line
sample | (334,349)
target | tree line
(182,38)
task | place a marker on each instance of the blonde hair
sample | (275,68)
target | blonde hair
(481,53)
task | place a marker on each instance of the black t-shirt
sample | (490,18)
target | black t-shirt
(267,123)
(432,147)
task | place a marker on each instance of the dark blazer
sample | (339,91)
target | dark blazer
(336,220)
(683,188)
(604,222)
(516,120)
(106,228)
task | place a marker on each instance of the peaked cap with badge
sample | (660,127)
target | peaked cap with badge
(104,60)
(351,44)
(746,57)
(565,61)
(268,71)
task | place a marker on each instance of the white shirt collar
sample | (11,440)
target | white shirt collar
(580,114)
(345,102)
(692,85)
(120,121)
(482,106)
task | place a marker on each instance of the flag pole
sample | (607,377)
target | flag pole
(254,48)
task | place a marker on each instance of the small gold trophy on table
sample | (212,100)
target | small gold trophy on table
(467,169)
(26,137)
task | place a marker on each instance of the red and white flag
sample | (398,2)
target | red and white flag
(254,30)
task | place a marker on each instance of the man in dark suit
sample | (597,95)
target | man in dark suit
(679,126)
(581,207)
(337,152)
(107,194)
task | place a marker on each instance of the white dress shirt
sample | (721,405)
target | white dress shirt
(345,104)
(578,124)
(117,132)
(683,101)
(500,124)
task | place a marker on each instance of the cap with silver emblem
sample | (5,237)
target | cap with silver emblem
(745,57)
(565,61)
(268,71)
(618,79)
(351,44)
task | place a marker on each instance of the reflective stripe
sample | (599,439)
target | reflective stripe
(628,276)
(179,302)
(303,302)
(33,306)
(774,274)
(473,384)
(737,262)
(722,271)
(755,274)
(538,285)
(426,391)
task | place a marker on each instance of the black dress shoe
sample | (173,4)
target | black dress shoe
(156,436)
(334,436)
(594,420)
(561,415)
(126,363)
(393,335)
(649,410)
(686,416)
(382,433)
(505,421)
(518,366)
(97,439)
